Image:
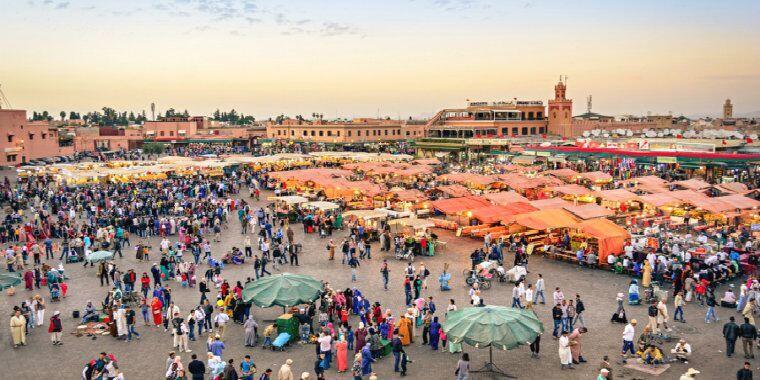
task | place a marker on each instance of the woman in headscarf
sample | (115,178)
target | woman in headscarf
(251,331)
(646,277)
(435,333)
(361,336)
(156,305)
(405,331)
(341,354)
(366,360)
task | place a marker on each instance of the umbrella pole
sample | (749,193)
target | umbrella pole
(490,367)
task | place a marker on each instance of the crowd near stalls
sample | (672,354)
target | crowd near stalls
(691,234)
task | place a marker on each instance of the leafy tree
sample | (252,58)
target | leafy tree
(63,115)
(154,148)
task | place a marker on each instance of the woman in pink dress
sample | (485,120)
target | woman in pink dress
(341,351)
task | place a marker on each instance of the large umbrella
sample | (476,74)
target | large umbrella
(283,290)
(492,326)
(9,279)
(100,256)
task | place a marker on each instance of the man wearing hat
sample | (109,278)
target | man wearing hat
(690,374)
(56,328)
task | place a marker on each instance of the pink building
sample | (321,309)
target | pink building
(24,140)
(358,130)
(170,129)
(90,139)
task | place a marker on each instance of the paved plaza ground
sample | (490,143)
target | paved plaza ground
(145,359)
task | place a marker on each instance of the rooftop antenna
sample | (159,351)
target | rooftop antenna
(588,104)
(4,103)
(153,111)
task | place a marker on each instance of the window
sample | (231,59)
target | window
(530,115)
(31,136)
(10,138)
(171,133)
(567,114)
(305,133)
(539,115)
(349,134)
(329,133)
(541,130)
(407,133)
(161,134)
(358,133)
(44,136)
(532,130)
(292,133)
(398,132)
(514,131)
(386,132)
(312,133)
(524,130)
(321,133)
(11,158)
(339,133)
(554,115)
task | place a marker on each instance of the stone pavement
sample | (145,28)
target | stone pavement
(145,359)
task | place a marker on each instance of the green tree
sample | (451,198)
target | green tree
(153,148)
(63,115)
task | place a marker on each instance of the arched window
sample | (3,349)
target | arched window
(554,115)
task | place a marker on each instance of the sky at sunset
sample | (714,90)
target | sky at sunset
(353,58)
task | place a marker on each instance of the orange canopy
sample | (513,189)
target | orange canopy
(610,237)
(650,184)
(596,177)
(505,197)
(454,190)
(733,187)
(470,179)
(543,219)
(693,184)
(617,195)
(457,205)
(492,214)
(659,199)
(589,211)
(567,175)
(739,201)
(411,195)
(575,190)
(550,204)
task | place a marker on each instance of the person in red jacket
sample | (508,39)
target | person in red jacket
(56,328)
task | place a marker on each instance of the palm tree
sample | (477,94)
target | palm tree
(63,115)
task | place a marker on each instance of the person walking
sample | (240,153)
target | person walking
(678,303)
(710,314)
(130,316)
(539,292)
(628,333)
(463,367)
(56,328)
(565,355)
(580,307)
(384,272)
(748,332)
(730,333)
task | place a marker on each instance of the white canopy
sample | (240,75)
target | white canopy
(291,199)
(415,223)
(367,214)
(322,205)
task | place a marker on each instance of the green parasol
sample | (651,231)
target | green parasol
(283,290)
(9,279)
(492,326)
(100,256)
